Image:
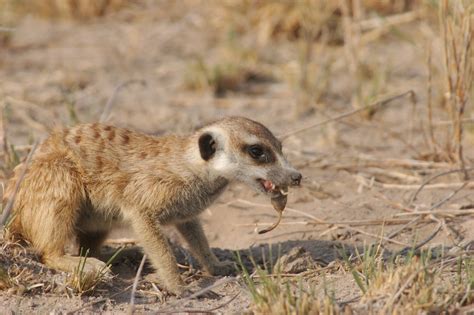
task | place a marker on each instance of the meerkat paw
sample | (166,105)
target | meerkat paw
(178,289)
(95,266)
(181,290)
(68,263)
(223,268)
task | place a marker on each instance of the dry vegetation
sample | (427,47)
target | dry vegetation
(300,67)
(409,285)
(68,9)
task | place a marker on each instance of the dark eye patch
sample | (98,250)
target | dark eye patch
(260,153)
(256,151)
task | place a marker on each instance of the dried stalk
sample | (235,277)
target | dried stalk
(434,144)
(111,101)
(447,212)
(131,309)
(382,102)
(425,183)
(457,37)
(320,221)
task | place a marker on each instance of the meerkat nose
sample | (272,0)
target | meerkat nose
(296,178)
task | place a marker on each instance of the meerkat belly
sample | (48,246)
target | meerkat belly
(191,203)
(98,220)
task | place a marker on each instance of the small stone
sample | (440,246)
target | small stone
(297,260)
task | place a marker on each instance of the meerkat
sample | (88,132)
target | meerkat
(84,180)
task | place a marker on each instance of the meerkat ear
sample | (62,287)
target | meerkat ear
(207,146)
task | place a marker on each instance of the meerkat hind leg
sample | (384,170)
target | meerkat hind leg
(48,215)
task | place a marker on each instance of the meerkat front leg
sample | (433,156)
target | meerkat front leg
(193,233)
(157,248)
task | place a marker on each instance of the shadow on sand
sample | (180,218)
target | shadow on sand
(126,263)
(322,252)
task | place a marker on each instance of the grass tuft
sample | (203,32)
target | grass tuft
(412,284)
(454,80)
(82,282)
(272,293)
(63,9)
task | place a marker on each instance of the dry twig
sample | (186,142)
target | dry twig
(384,101)
(408,163)
(416,247)
(437,212)
(351,222)
(372,183)
(425,183)
(436,205)
(110,102)
(320,221)
(377,27)
(388,21)
(131,309)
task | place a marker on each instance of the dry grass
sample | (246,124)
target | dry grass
(416,284)
(12,11)
(22,274)
(64,9)
(273,293)
(363,22)
(221,78)
(317,27)
(311,24)
(454,81)
(11,157)
(301,19)
(411,284)
(82,282)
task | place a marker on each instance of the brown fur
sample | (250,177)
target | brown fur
(84,180)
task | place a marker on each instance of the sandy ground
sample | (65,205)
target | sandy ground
(48,64)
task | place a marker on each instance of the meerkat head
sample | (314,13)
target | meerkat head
(238,148)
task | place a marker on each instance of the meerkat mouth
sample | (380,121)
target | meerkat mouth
(278,199)
(269,187)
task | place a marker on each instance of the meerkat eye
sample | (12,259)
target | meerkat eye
(256,152)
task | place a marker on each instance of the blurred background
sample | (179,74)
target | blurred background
(181,63)
(163,66)
(170,66)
